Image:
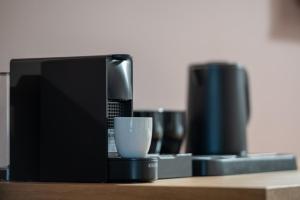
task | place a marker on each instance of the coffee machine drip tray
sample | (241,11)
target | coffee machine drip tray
(219,165)
(149,169)
(129,170)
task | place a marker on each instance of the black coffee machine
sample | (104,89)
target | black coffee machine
(61,113)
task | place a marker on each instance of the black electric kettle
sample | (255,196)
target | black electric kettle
(218,109)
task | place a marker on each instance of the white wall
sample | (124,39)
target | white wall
(164,37)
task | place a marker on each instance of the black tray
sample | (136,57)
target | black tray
(252,163)
(174,166)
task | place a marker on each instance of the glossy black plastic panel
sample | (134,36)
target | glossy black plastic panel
(73,138)
(60,114)
(25,76)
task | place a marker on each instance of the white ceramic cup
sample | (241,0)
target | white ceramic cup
(133,136)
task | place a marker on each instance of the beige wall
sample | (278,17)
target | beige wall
(164,36)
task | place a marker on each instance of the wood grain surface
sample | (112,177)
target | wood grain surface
(265,186)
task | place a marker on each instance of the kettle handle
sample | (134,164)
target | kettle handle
(247,95)
(4,117)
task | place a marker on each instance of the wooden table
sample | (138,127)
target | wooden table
(271,186)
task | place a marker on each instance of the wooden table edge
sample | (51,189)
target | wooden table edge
(54,191)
